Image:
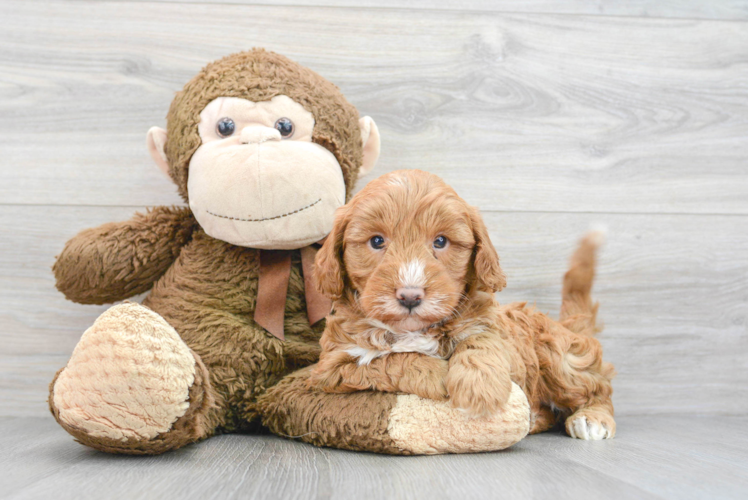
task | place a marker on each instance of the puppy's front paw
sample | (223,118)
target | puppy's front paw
(479,393)
(314,382)
(591,425)
(432,388)
(327,381)
(426,378)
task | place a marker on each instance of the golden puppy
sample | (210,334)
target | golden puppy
(412,273)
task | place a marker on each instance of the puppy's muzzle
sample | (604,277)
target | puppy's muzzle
(409,298)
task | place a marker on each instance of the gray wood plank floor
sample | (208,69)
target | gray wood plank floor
(679,457)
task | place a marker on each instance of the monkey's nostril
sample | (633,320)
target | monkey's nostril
(409,297)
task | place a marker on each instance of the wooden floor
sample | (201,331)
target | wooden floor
(652,457)
(552,116)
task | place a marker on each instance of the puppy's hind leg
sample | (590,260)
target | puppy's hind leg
(578,382)
(543,419)
(578,379)
(592,423)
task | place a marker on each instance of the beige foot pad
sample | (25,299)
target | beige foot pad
(426,427)
(128,378)
(387,423)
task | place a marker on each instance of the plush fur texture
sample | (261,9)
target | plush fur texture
(258,75)
(383,422)
(188,428)
(203,293)
(204,288)
(117,260)
(390,238)
(431,428)
(126,339)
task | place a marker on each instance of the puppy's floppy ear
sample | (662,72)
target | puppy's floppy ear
(328,265)
(488,273)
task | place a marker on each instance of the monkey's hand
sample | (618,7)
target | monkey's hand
(120,259)
(479,379)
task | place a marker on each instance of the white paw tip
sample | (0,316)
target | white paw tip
(581,428)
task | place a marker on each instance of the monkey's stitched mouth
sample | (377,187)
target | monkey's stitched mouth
(266,218)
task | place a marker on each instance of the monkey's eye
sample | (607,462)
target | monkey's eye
(225,127)
(377,242)
(285,127)
(440,242)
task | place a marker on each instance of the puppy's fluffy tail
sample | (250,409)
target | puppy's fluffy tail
(578,313)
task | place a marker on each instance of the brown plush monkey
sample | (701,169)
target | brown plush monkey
(264,151)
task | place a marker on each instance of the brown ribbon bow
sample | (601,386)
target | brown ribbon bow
(272,287)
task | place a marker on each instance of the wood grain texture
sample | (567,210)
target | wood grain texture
(551,116)
(548,122)
(694,9)
(652,457)
(673,291)
(560,112)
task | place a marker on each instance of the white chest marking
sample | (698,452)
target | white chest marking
(407,342)
(364,355)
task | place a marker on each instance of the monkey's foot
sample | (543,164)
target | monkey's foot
(382,422)
(423,426)
(129,380)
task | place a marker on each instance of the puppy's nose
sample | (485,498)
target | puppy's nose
(409,297)
(255,134)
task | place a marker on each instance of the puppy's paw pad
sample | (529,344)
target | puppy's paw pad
(589,430)
(129,376)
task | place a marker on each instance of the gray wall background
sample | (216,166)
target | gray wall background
(551,116)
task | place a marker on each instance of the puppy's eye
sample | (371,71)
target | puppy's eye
(440,242)
(225,127)
(377,242)
(285,127)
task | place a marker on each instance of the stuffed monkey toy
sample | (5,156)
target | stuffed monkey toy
(263,151)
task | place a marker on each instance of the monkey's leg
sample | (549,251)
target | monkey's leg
(133,386)
(384,422)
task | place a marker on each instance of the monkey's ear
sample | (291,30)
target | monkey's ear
(156,142)
(328,265)
(370,140)
(488,273)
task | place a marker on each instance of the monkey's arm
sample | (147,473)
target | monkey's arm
(120,259)
(414,373)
